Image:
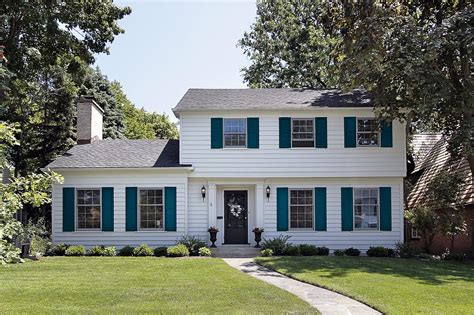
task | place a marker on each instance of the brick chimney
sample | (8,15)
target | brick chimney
(89,120)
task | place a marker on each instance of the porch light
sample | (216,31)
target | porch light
(268,192)
(203,193)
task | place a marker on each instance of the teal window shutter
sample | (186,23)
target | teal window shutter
(282,209)
(108,209)
(320,208)
(321,132)
(253,133)
(350,132)
(170,208)
(217,133)
(385,208)
(386,140)
(347,207)
(285,132)
(131,208)
(69,209)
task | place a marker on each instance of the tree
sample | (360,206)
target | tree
(17,191)
(426,222)
(140,124)
(413,56)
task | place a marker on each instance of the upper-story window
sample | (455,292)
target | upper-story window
(366,208)
(367,132)
(301,208)
(235,132)
(88,209)
(151,208)
(302,134)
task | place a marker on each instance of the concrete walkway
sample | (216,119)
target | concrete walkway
(327,302)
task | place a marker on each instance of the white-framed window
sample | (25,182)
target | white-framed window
(235,132)
(89,206)
(301,209)
(150,208)
(302,132)
(366,208)
(415,233)
(367,132)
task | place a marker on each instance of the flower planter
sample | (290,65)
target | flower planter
(213,238)
(258,238)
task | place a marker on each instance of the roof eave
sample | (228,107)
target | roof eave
(187,168)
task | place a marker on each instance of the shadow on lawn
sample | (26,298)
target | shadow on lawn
(427,272)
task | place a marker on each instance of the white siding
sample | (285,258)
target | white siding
(119,180)
(271,161)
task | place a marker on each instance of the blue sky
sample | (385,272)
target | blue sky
(170,46)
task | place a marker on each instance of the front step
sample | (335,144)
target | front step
(235,251)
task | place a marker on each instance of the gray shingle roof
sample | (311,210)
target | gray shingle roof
(284,98)
(121,154)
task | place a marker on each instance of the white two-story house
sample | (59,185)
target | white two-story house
(312,164)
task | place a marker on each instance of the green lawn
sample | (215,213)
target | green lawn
(394,286)
(131,285)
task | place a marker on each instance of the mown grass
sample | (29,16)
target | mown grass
(391,285)
(138,285)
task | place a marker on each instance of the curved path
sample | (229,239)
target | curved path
(326,301)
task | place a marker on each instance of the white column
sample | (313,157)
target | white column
(211,193)
(259,205)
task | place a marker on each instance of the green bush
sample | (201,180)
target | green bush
(267,252)
(406,250)
(143,250)
(323,251)
(291,250)
(102,251)
(160,251)
(179,250)
(109,251)
(58,250)
(77,250)
(380,251)
(39,245)
(204,251)
(351,251)
(192,243)
(307,250)
(277,244)
(338,252)
(126,251)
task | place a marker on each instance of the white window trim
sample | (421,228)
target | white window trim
(289,211)
(357,133)
(314,133)
(353,209)
(139,228)
(223,134)
(76,205)
(413,236)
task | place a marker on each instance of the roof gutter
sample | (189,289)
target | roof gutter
(59,169)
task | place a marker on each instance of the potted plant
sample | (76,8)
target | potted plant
(258,235)
(213,233)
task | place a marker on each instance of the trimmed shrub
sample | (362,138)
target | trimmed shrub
(58,250)
(406,250)
(308,250)
(291,250)
(39,245)
(267,252)
(323,251)
(77,250)
(126,251)
(96,251)
(160,251)
(192,243)
(143,250)
(338,252)
(204,251)
(276,244)
(179,250)
(380,251)
(351,251)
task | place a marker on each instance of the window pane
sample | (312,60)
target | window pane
(367,132)
(151,209)
(88,209)
(235,132)
(301,208)
(366,208)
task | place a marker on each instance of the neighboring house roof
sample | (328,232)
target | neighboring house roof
(421,145)
(283,98)
(120,153)
(436,160)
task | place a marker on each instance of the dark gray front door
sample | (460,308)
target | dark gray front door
(235,217)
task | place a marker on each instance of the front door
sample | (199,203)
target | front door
(235,217)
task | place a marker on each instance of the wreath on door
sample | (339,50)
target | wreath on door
(235,208)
